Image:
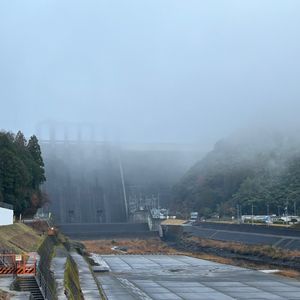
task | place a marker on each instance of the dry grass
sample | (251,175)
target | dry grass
(19,238)
(249,250)
(289,273)
(257,250)
(134,246)
(173,222)
(230,261)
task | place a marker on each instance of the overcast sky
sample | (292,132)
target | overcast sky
(150,70)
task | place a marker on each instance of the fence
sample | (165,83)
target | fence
(45,287)
(16,264)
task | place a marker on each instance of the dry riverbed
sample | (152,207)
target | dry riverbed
(199,248)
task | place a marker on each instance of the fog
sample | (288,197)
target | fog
(150,71)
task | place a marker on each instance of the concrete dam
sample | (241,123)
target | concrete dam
(100,182)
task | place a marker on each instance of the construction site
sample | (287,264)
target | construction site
(107,234)
(118,261)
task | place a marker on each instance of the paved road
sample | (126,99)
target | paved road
(165,277)
(275,238)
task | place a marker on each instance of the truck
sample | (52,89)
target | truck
(194,216)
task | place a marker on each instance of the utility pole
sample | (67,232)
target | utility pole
(295,210)
(286,214)
(268,214)
(238,213)
(252,214)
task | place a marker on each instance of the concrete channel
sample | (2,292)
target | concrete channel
(177,277)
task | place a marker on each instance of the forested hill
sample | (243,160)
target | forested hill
(21,172)
(262,170)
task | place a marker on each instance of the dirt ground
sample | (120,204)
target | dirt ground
(148,246)
(133,246)
(4,296)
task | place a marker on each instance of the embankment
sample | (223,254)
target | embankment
(19,238)
(285,238)
(183,238)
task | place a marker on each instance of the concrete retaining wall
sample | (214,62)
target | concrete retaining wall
(87,231)
(172,232)
(45,277)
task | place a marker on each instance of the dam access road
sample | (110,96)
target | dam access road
(178,277)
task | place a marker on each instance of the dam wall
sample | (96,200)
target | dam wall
(98,182)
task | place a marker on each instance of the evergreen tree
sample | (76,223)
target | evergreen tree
(21,172)
(37,165)
(20,140)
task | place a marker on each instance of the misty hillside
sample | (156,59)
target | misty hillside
(260,169)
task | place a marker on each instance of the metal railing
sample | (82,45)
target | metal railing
(44,286)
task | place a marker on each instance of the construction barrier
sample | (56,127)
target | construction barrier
(18,264)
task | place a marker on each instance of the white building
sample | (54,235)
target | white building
(6,214)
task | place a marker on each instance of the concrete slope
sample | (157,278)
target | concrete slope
(167,277)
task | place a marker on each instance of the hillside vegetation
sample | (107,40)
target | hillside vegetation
(21,172)
(263,171)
